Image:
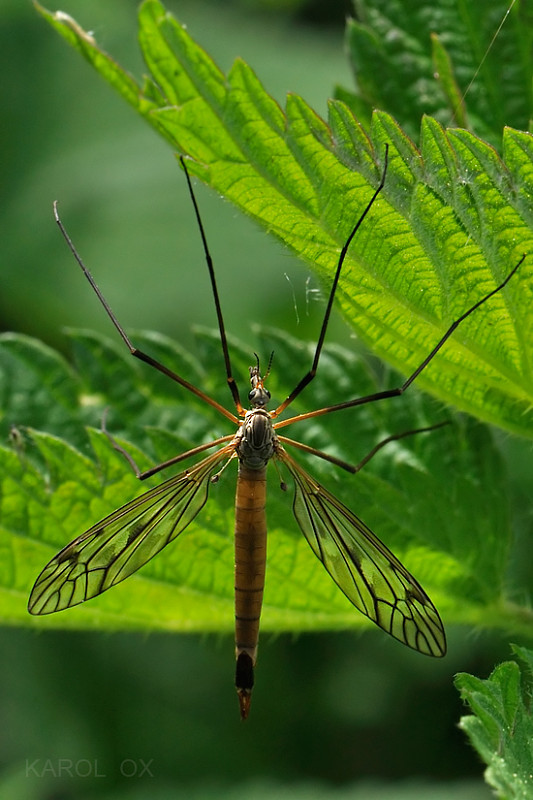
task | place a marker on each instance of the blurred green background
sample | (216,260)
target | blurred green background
(340,715)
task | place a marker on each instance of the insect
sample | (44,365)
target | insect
(360,564)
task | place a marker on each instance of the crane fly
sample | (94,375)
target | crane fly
(363,568)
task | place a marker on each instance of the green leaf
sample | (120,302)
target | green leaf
(501,729)
(37,378)
(413,58)
(118,78)
(453,220)
(438,500)
(444,71)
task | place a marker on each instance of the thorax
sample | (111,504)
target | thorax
(256,439)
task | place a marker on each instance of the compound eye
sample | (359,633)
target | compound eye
(251,395)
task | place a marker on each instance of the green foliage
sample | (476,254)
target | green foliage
(501,728)
(446,60)
(437,500)
(453,220)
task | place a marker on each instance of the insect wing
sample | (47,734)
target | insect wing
(366,571)
(124,541)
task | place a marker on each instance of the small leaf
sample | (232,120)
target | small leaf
(502,728)
(444,72)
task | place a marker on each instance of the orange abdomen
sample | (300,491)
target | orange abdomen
(250,565)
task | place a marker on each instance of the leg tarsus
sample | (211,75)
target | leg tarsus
(123,452)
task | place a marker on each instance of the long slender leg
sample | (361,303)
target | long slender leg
(234,389)
(133,350)
(147,473)
(372,398)
(312,372)
(353,468)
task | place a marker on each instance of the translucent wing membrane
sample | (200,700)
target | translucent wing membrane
(366,571)
(120,544)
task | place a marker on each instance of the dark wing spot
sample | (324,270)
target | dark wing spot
(135,532)
(414,592)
